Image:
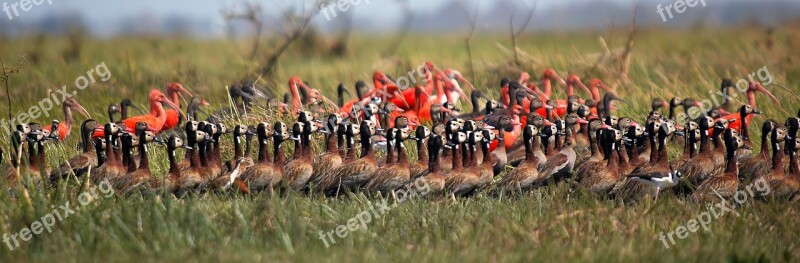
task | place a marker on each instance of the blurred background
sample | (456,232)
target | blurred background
(207,18)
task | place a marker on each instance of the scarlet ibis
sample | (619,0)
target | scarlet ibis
(452,87)
(174,91)
(64,129)
(312,96)
(157,117)
(751,100)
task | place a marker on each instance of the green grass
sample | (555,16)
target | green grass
(551,223)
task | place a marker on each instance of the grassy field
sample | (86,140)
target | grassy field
(546,224)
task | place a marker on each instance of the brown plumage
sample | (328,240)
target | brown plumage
(458,181)
(783,184)
(594,160)
(396,175)
(434,178)
(192,177)
(486,169)
(703,165)
(629,189)
(267,173)
(760,163)
(130,181)
(297,171)
(522,177)
(189,128)
(420,167)
(726,185)
(355,172)
(168,183)
(79,164)
(600,180)
(331,157)
(561,164)
(112,167)
(777,169)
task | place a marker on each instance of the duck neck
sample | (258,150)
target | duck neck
(298,149)
(42,158)
(237,147)
(351,150)
(433,160)
(595,147)
(174,170)
(662,149)
(144,161)
(422,149)
(280,157)
(613,160)
(263,151)
(705,147)
(402,157)
(366,146)
(331,145)
(732,166)
(86,141)
(248,151)
(456,158)
(528,148)
(203,154)
(109,148)
(764,143)
(777,156)
(487,155)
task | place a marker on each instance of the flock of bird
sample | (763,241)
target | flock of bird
(526,139)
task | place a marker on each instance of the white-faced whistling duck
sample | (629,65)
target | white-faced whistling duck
(266,173)
(726,185)
(522,177)
(79,164)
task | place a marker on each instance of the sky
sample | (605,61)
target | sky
(203,17)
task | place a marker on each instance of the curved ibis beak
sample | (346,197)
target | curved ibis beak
(559,79)
(582,86)
(403,98)
(607,89)
(583,121)
(178,109)
(82,110)
(761,88)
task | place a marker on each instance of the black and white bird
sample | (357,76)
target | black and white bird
(659,183)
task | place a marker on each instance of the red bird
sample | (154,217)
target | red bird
(311,96)
(66,126)
(751,100)
(157,117)
(174,90)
